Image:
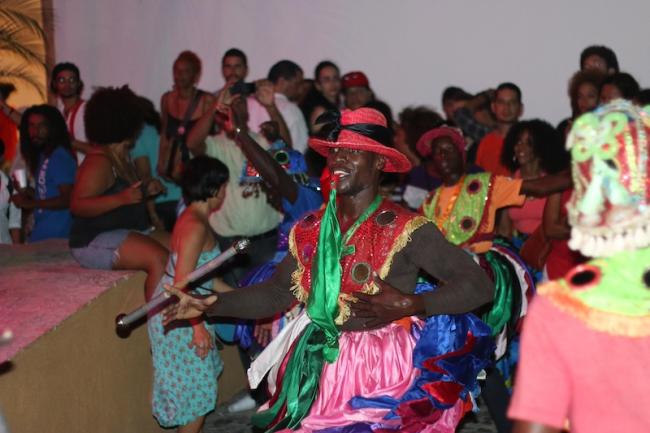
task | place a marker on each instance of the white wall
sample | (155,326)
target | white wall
(410,49)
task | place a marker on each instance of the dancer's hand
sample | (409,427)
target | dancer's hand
(187,307)
(201,341)
(262,333)
(386,306)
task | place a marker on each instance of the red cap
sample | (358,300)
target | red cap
(354,79)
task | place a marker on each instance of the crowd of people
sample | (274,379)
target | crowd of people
(395,259)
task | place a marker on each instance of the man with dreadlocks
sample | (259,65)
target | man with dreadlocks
(45,146)
(362,356)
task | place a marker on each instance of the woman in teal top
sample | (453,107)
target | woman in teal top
(162,208)
(186,362)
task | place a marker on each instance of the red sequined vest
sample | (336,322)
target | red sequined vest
(371,248)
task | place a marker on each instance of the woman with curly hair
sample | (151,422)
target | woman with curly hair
(532,149)
(110,224)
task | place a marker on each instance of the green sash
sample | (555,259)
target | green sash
(319,341)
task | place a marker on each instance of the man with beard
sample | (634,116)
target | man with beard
(45,146)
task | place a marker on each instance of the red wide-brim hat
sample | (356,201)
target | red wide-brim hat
(396,161)
(423,146)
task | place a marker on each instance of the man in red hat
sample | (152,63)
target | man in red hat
(356,90)
(355,265)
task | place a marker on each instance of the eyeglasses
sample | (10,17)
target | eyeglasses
(71,80)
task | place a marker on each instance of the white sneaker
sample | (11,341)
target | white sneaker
(243,404)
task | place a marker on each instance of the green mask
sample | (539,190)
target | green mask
(609,294)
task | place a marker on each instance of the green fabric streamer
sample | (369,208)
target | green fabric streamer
(319,341)
(501,309)
(299,386)
(322,305)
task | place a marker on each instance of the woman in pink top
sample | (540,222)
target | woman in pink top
(532,149)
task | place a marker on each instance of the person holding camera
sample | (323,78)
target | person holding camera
(246,211)
(234,69)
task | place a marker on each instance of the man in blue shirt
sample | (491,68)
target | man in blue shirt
(45,146)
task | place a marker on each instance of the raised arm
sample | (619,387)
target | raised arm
(262,160)
(264,94)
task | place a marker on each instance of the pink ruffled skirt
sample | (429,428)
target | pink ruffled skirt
(370,364)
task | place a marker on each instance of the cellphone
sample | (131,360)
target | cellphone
(241,88)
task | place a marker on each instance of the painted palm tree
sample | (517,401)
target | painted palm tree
(22,44)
